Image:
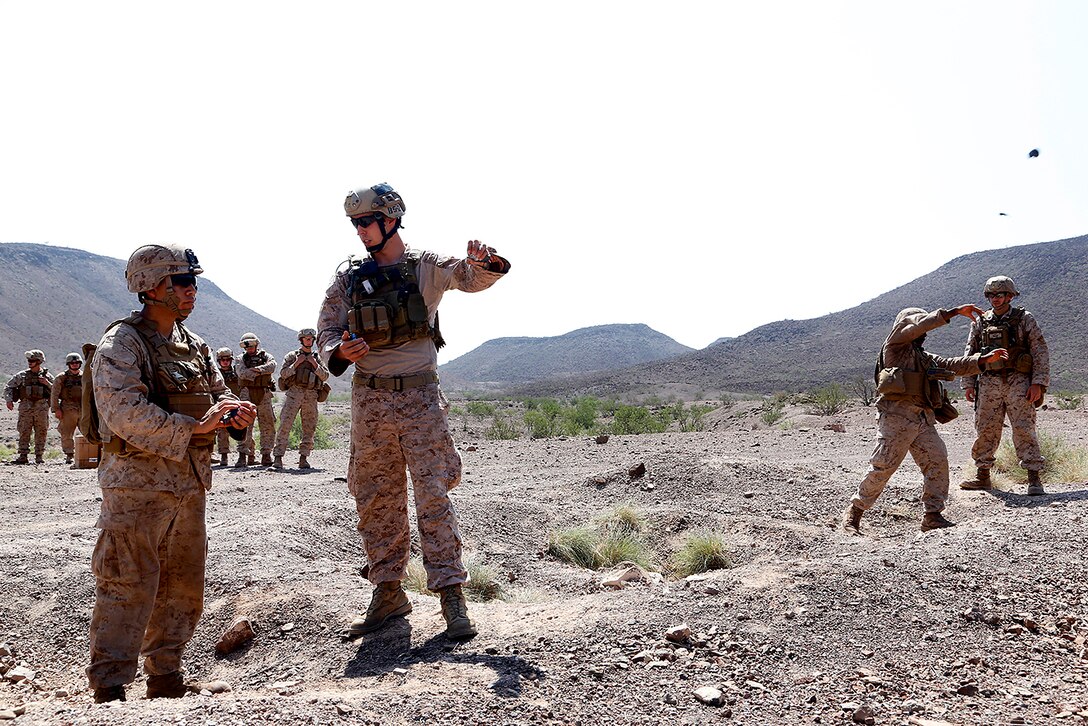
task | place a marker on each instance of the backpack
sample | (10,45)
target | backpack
(88,415)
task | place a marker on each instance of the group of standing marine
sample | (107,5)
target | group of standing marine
(38,392)
(162,404)
(1006,371)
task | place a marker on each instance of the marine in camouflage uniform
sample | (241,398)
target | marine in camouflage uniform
(225,358)
(301,378)
(31,389)
(1013,388)
(255,367)
(66,402)
(159,401)
(381,314)
(908,399)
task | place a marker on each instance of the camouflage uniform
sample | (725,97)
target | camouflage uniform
(1004,392)
(299,397)
(67,397)
(33,412)
(905,423)
(150,556)
(262,398)
(392,429)
(222,438)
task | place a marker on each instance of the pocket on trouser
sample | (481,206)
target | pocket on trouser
(121,554)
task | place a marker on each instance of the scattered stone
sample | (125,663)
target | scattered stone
(400,671)
(470,448)
(836,427)
(623,573)
(5,650)
(968,689)
(237,635)
(637,471)
(213,687)
(287,627)
(863,714)
(61,693)
(678,633)
(20,673)
(602,439)
(709,695)
(344,709)
(748,494)
(7,715)
(918,721)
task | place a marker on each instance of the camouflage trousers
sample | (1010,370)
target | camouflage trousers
(297,400)
(997,399)
(906,428)
(149,582)
(66,424)
(33,417)
(391,430)
(222,440)
(266,419)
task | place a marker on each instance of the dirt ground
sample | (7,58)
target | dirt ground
(984,623)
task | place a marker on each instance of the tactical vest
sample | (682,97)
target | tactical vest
(997,333)
(35,385)
(230,377)
(306,376)
(915,387)
(181,375)
(71,390)
(387,308)
(262,382)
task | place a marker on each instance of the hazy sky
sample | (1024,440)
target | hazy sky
(701,167)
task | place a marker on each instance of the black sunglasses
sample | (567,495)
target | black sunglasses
(183,280)
(363,222)
(996,294)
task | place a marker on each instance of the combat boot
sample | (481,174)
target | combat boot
(266,459)
(241,463)
(251,460)
(170,685)
(39,459)
(1035,487)
(388,601)
(224,458)
(277,463)
(935,520)
(109,693)
(455,611)
(981,482)
(851,519)
(21,459)
(67,458)
(303,463)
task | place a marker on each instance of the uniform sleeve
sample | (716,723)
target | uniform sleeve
(451,273)
(974,345)
(54,393)
(332,321)
(966,365)
(122,400)
(1040,354)
(13,383)
(910,331)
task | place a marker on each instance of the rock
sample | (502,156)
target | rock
(7,715)
(287,627)
(918,721)
(344,709)
(602,439)
(623,573)
(215,687)
(470,448)
(678,633)
(20,673)
(237,635)
(709,695)
(637,471)
(5,650)
(863,714)
(836,427)
(968,689)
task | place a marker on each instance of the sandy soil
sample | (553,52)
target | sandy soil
(981,624)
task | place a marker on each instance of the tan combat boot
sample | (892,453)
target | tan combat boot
(266,458)
(277,463)
(224,458)
(109,693)
(851,519)
(1035,487)
(21,459)
(241,463)
(251,460)
(67,458)
(388,601)
(38,459)
(170,685)
(935,520)
(303,463)
(981,482)
(455,611)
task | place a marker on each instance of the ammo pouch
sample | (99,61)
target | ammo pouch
(323,392)
(194,405)
(256,394)
(890,381)
(305,377)
(1023,363)
(35,392)
(373,320)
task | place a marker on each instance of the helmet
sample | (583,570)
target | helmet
(35,355)
(378,198)
(148,265)
(73,358)
(224,352)
(910,313)
(1001,284)
(246,337)
(307,331)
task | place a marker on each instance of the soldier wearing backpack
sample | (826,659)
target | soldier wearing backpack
(156,400)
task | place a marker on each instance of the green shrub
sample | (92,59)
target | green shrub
(635,420)
(624,518)
(1064,462)
(482,585)
(577,546)
(691,418)
(322,432)
(772,411)
(480,408)
(415,579)
(701,551)
(617,545)
(827,400)
(540,425)
(1066,400)
(502,428)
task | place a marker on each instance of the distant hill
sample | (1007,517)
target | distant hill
(509,361)
(841,347)
(57,298)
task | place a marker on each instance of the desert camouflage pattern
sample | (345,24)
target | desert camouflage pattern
(149,582)
(222,438)
(266,415)
(392,430)
(33,417)
(903,426)
(299,398)
(149,559)
(68,399)
(1002,394)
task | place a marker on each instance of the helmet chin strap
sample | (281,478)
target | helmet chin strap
(386,235)
(171,302)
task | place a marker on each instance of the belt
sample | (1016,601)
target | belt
(394,383)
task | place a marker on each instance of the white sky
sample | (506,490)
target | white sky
(701,167)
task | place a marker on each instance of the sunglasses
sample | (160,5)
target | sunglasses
(183,280)
(992,295)
(363,222)
(226,357)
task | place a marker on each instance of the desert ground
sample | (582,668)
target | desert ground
(984,623)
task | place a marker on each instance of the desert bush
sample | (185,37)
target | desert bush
(624,518)
(502,428)
(617,545)
(773,410)
(1064,462)
(577,545)
(415,579)
(322,432)
(540,425)
(6,452)
(1066,400)
(483,585)
(827,400)
(480,408)
(691,418)
(701,551)
(580,416)
(865,390)
(635,420)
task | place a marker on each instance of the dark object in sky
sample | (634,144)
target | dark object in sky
(1002,214)
(1033,153)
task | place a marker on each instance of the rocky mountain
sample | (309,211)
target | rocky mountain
(842,347)
(57,298)
(511,361)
